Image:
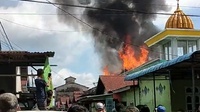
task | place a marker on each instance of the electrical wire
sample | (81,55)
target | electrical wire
(11,48)
(47,30)
(90,7)
(87,24)
(106,9)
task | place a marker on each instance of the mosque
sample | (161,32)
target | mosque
(173,80)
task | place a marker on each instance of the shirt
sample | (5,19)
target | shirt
(40,88)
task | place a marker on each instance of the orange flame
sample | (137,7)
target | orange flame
(106,71)
(127,55)
(129,60)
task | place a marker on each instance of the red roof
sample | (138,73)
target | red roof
(114,82)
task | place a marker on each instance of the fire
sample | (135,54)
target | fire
(106,71)
(128,56)
(129,60)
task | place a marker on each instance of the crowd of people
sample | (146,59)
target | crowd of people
(100,107)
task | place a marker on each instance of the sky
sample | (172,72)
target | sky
(38,29)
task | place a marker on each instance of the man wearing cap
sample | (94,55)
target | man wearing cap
(100,107)
(160,108)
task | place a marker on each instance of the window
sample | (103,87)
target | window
(188,91)
(186,46)
(192,46)
(167,51)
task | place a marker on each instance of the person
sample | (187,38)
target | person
(9,103)
(132,109)
(143,108)
(40,90)
(100,107)
(49,92)
(77,108)
(49,96)
(160,108)
(120,107)
(50,82)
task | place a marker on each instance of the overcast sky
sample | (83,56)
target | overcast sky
(39,29)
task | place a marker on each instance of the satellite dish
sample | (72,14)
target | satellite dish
(84,2)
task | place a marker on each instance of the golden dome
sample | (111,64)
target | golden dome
(179,20)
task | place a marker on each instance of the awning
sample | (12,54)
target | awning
(159,66)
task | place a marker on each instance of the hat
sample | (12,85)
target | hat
(161,109)
(99,106)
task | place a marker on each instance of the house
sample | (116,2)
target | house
(69,92)
(173,83)
(110,90)
(14,67)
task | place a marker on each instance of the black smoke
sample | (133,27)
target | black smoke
(132,18)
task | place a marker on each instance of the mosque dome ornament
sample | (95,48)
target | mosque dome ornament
(179,20)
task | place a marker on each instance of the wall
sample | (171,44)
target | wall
(178,96)
(128,97)
(68,90)
(146,92)
(8,83)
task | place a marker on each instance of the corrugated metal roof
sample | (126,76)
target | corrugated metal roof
(159,66)
(146,65)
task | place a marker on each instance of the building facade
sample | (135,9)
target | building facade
(173,83)
(69,93)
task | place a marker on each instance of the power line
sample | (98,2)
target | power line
(53,14)
(35,27)
(90,7)
(4,42)
(3,38)
(6,36)
(106,9)
(87,24)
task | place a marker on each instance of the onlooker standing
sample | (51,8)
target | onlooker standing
(40,90)
(77,108)
(143,108)
(100,107)
(160,108)
(8,103)
(132,109)
(120,107)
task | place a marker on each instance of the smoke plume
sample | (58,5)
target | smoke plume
(110,27)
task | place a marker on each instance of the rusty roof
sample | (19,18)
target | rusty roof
(24,58)
(113,82)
